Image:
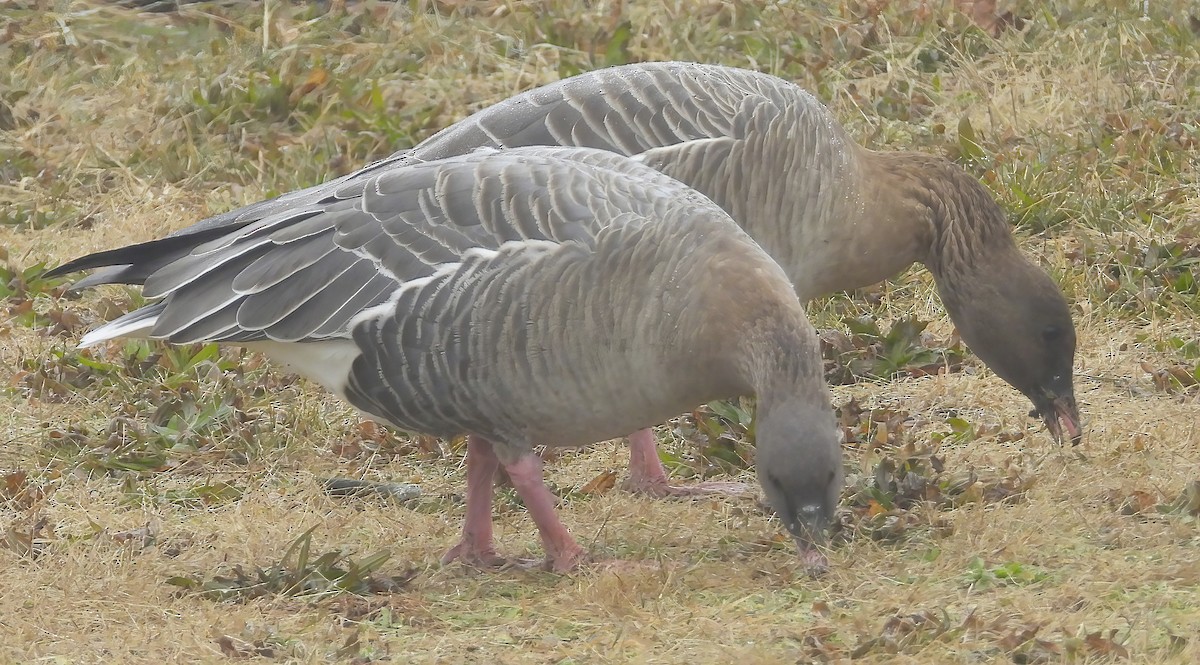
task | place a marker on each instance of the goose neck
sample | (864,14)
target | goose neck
(965,229)
(782,362)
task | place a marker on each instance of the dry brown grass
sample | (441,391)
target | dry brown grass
(1088,113)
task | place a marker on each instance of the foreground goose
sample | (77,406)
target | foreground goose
(541,296)
(835,215)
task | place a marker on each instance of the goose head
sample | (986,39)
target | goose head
(1020,326)
(799,466)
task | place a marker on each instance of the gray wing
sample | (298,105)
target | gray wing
(417,349)
(680,111)
(627,110)
(305,274)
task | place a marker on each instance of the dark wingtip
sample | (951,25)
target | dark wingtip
(120,257)
(132,264)
(114,274)
(65,269)
(111,276)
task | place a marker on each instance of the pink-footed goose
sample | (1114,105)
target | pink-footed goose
(538,296)
(833,214)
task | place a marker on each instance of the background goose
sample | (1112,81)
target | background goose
(835,215)
(542,296)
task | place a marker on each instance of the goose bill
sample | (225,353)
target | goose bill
(1061,416)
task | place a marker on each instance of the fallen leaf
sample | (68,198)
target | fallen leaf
(14,483)
(1138,502)
(1102,645)
(143,536)
(1184,375)
(315,79)
(875,508)
(350,648)
(347,448)
(65,320)
(27,544)
(1016,638)
(818,650)
(600,484)
(1188,501)
(23,307)
(108,309)
(19,491)
(429,445)
(983,13)
(228,647)
(369,430)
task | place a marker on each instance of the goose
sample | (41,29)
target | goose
(535,296)
(835,215)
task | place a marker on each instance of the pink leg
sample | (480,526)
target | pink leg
(476,547)
(563,554)
(647,475)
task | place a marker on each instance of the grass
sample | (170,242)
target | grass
(173,505)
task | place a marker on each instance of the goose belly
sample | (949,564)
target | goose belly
(326,362)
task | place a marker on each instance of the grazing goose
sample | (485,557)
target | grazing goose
(538,296)
(836,216)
